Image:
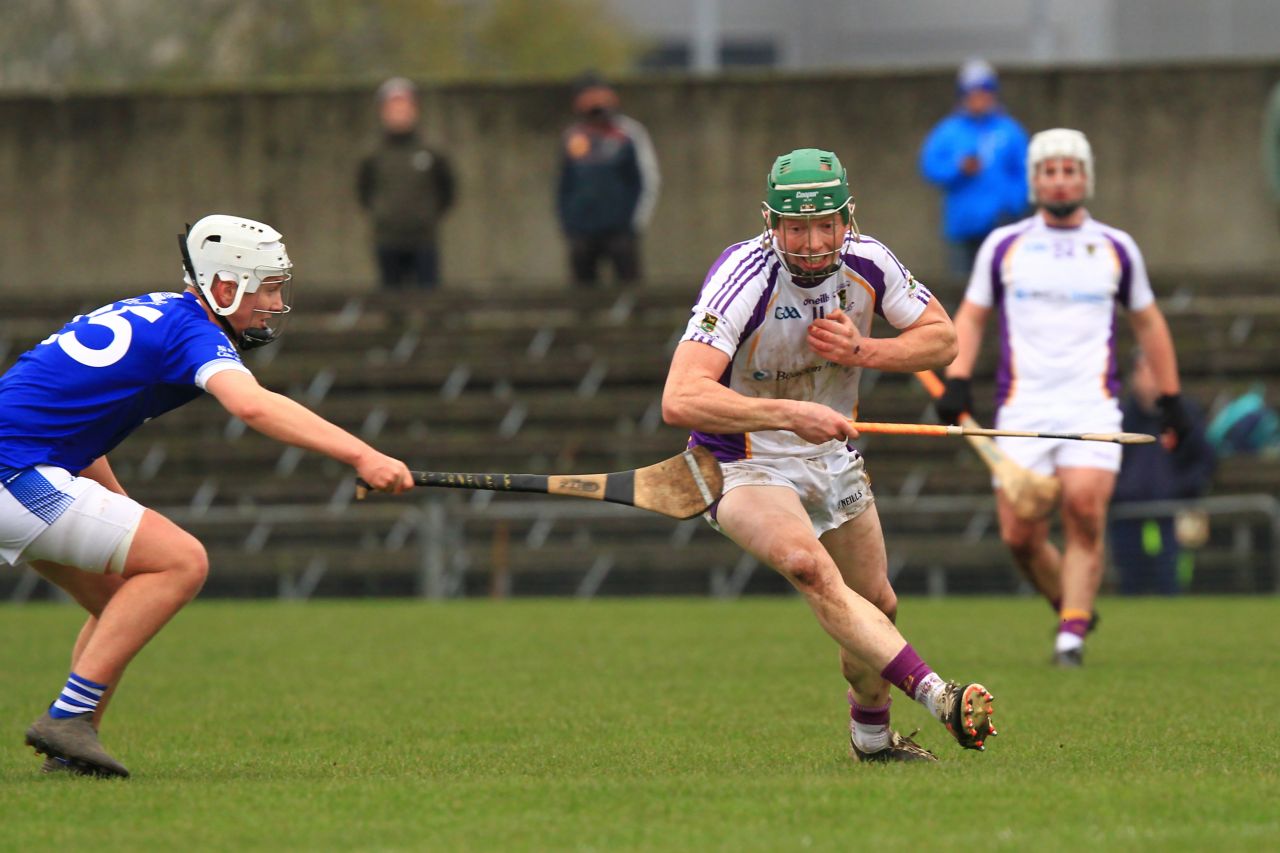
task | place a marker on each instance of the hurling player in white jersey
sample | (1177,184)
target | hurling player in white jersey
(766,376)
(72,398)
(1056,281)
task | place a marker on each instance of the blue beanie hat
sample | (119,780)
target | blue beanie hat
(976,74)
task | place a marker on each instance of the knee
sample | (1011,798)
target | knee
(1020,539)
(1082,518)
(804,567)
(888,604)
(191,565)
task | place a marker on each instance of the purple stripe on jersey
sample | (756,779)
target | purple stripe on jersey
(725,448)
(1126,270)
(888,252)
(871,272)
(997,262)
(762,305)
(739,279)
(1004,365)
(728,447)
(1113,369)
(720,261)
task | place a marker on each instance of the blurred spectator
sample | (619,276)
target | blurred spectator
(608,185)
(1271,144)
(1147,551)
(977,156)
(407,187)
(1246,426)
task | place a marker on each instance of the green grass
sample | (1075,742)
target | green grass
(649,724)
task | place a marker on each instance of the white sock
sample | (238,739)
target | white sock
(869,738)
(1068,642)
(929,694)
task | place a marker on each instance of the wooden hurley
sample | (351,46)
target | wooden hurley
(1032,495)
(680,487)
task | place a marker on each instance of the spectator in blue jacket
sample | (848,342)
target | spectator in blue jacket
(608,186)
(977,156)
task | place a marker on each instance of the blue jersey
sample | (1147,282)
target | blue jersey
(80,392)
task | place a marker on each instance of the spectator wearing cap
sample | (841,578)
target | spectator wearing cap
(977,157)
(407,187)
(608,186)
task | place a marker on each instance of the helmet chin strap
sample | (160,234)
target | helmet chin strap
(248,339)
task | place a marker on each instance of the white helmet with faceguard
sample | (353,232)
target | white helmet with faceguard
(807,184)
(249,253)
(1052,144)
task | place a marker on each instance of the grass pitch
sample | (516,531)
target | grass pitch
(648,724)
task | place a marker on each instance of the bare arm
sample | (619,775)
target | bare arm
(971,319)
(276,416)
(928,343)
(1152,334)
(100,471)
(695,399)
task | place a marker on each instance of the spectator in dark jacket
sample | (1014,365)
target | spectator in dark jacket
(1146,551)
(608,186)
(407,187)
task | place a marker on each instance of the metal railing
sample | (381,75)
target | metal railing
(439,530)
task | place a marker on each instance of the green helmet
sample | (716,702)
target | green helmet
(807,182)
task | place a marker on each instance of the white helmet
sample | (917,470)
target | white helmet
(232,248)
(1059,142)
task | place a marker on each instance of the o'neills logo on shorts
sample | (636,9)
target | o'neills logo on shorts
(850,500)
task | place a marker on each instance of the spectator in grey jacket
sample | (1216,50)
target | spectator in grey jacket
(407,187)
(608,186)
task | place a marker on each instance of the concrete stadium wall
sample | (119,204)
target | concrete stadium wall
(94,187)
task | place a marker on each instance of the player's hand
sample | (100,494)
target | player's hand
(1174,420)
(384,474)
(818,424)
(955,401)
(837,339)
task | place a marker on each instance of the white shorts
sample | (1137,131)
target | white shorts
(1047,455)
(47,513)
(833,487)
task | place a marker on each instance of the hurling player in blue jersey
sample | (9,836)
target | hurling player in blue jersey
(77,394)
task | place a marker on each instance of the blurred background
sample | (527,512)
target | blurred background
(121,120)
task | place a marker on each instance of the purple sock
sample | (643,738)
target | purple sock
(907,670)
(868,715)
(1074,622)
(1079,627)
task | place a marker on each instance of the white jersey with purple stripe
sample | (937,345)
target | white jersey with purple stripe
(1056,291)
(752,310)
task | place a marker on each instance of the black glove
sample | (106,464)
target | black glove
(1174,417)
(955,401)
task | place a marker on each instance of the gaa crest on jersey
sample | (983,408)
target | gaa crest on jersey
(843,296)
(708,322)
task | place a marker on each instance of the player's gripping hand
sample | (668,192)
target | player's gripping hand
(1174,420)
(956,400)
(384,473)
(819,424)
(836,338)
